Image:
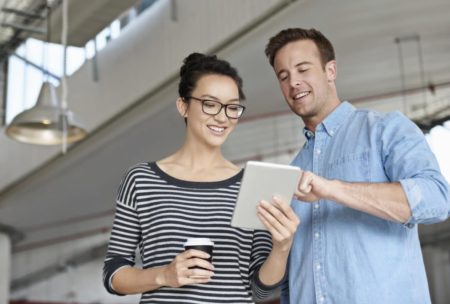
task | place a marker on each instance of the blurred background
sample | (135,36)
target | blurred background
(110,67)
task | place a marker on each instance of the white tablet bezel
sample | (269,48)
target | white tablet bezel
(262,181)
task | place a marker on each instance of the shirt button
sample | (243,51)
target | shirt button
(318,151)
(318,266)
(316,206)
(316,235)
(322,299)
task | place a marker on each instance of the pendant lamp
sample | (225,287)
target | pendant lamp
(49,122)
(45,123)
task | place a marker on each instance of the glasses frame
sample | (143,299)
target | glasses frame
(204,100)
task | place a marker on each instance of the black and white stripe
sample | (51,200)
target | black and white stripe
(157,213)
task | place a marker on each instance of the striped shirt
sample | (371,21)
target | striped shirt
(156,213)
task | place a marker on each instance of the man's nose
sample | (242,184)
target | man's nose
(295,82)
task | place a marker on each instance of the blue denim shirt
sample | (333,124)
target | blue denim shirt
(344,256)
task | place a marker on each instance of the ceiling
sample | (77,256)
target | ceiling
(60,202)
(18,20)
(21,19)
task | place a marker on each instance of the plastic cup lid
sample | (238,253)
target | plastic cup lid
(198,241)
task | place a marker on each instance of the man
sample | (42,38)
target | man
(369,179)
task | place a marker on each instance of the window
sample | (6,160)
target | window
(36,61)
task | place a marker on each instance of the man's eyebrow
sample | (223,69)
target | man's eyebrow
(300,64)
(303,63)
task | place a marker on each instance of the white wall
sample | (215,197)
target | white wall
(438,272)
(5,267)
(146,55)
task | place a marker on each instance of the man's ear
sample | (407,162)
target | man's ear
(330,69)
(182,107)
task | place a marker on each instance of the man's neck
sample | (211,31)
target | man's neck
(311,123)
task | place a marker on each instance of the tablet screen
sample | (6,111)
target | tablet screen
(262,181)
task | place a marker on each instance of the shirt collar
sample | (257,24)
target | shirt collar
(334,120)
(308,134)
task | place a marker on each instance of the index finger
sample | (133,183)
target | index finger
(284,207)
(191,253)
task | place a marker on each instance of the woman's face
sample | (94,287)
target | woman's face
(209,129)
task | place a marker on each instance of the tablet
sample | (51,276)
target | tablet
(262,180)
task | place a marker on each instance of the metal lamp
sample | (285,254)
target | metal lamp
(49,122)
(45,123)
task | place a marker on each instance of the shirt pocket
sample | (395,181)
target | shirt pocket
(351,167)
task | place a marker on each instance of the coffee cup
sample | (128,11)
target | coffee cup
(203,244)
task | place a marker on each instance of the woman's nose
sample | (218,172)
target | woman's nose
(221,116)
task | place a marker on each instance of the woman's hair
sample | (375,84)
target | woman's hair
(295,34)
(197,65)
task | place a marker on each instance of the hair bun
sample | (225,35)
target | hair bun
(194,57)
(196,60)
(196,65)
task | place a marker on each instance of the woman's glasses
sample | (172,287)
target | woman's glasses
(213,107)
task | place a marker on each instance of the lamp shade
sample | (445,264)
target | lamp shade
(43,123)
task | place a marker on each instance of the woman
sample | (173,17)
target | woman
(192,193)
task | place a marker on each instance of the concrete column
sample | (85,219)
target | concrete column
(5,267)
(437,264)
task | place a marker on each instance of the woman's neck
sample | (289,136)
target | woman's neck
(198,163)
(195,160)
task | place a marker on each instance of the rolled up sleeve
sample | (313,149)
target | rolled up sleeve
(409,160)
(428,200)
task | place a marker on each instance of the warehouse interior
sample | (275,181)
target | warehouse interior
(57,202)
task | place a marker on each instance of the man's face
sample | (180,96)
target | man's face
(305,83)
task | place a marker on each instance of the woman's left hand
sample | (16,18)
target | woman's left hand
(280,220)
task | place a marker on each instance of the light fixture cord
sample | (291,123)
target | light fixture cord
(422,74)
(63,80)
(47,44)
(402,74)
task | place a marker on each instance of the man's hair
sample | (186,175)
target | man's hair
(286,36)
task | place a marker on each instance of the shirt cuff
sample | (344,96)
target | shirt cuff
(110,268)
(111,277)
(264,287)
(414,195)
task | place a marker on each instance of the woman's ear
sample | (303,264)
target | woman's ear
(182,107)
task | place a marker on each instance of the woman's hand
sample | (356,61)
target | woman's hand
(183,270)
(280,220)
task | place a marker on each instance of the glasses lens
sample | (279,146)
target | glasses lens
(211,107)
(234,111)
